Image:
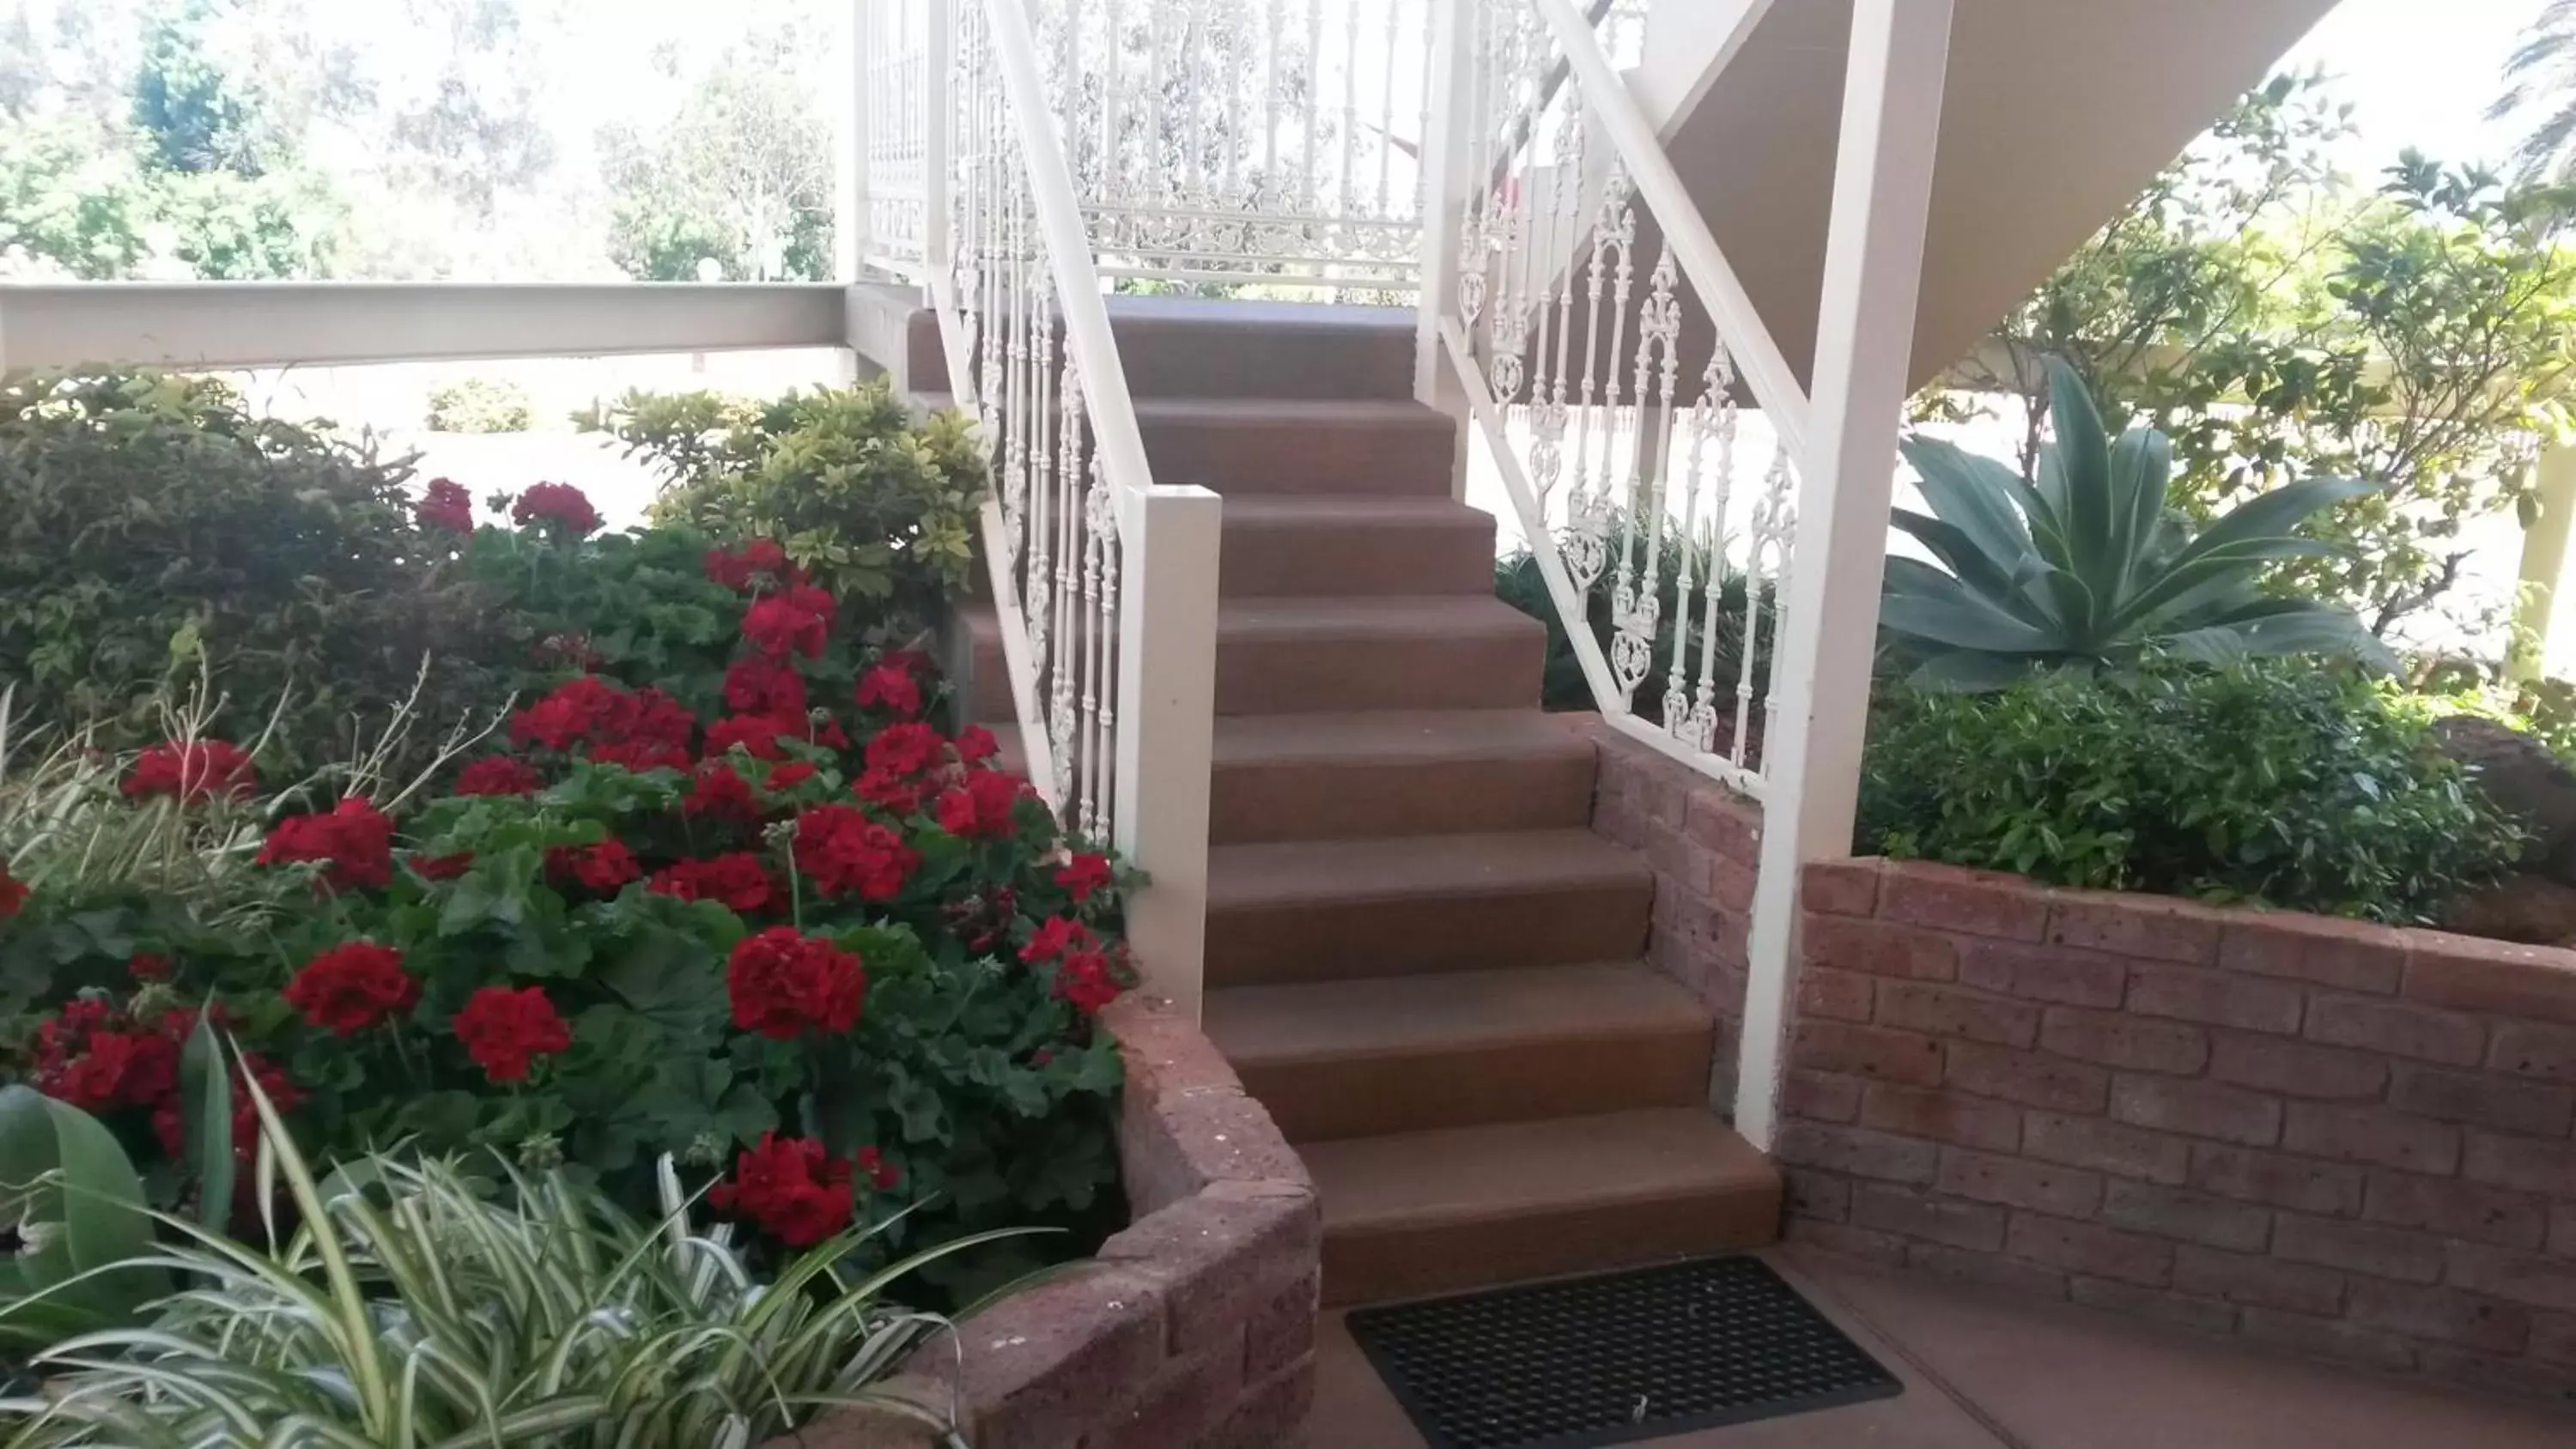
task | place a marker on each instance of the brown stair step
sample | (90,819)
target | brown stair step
(1325,655)
(1236,446)
(1330,910)
(1396,772)
(1418,1213)
(1415,1053)
(1290,544)
(1196,347)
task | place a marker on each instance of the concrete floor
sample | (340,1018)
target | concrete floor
(1989,1371)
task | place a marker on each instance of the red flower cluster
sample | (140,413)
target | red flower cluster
(602,868)
(355,840)
(756,735)
(765,686)
(191,771)
(892,686)
(96,1058)
(642,730)
(148,966)
(979,807)
(795,621)
(1086,982)
(13,893)
(846,852)
(719,791)
(739,882)
(1084,875)
(505,1030)
(560,504)
(759,565)
(975,745)
(783,983)
(1055,936)
(788,776)
(499,775)
(352,987)
(447,506)
(882,1175)
(790,1187)
(910,748)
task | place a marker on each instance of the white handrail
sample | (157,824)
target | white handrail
(1605,96)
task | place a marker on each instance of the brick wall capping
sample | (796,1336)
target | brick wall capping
(1195,1324)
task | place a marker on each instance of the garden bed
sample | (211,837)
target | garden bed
(1194,1326)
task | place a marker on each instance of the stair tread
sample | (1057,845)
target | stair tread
(1371,412)
(1394,737)
(1301,872)
(1513,1169)
(1398,1015)
(1369,614)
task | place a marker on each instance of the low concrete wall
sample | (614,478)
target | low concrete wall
(2336,1137)
(1193,1329)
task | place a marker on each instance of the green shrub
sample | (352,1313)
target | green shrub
(2272,781)
(1518,582)
(873,506)
(480,405)
(150,523)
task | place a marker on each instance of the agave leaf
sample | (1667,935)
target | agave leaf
(2183,591)
(1962,620)
(2141,464)
(2269,515)
(1967,563)
(2083,456)
(1973,495)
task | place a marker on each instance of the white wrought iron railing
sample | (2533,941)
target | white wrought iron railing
(1606,351)
(1103,583)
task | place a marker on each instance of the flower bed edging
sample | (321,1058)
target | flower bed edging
(1193,1327)
(2339,1138)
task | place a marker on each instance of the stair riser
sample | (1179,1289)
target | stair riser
(1334,800)
(1329,1098)
(1413,1261)
(1347,458)
(1355,560)
(1253,360)
(1304,675)
(1346,940)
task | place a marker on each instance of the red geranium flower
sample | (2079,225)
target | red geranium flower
(788,776)
(909,748)
(783,984)
(882,1175)
(846,852)
(13,893)
(1083,875)
(190,772)
(975,745)
(760,563)
(790,1187)
(499,775)
(349,988)
(504,1030)
(794,622)
(890,687)
(763,686)
(560,504)
(655,717)
(980,808)
(567,716)
(756,734)
(892,792)
(442,867)
(717,790)
(148,966)
(1054,936)
(1084,981)
(602,868)
(739,882)
(97,1058)
(355,839)
(446,505)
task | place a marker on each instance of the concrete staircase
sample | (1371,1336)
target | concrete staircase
(1418,956)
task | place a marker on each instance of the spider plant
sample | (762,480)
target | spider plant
(417,1306)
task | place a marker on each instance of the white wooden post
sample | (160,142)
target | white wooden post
(850,151)
(1447,126)
(939,118)
(1864,348)
(1166,726)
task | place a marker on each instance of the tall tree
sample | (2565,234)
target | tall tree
(2540,91)
(741,176)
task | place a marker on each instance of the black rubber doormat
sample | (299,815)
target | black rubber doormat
(1614,1358)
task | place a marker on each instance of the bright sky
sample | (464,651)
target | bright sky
(2420,73)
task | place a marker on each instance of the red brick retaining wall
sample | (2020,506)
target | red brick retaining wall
(1705,842)
(2337,1137)
(1193,1329)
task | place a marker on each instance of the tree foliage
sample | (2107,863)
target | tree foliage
(741,176)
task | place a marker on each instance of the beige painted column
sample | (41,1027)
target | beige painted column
(2544,561)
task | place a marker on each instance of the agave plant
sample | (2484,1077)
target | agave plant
(416,1306)
(2086,567)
